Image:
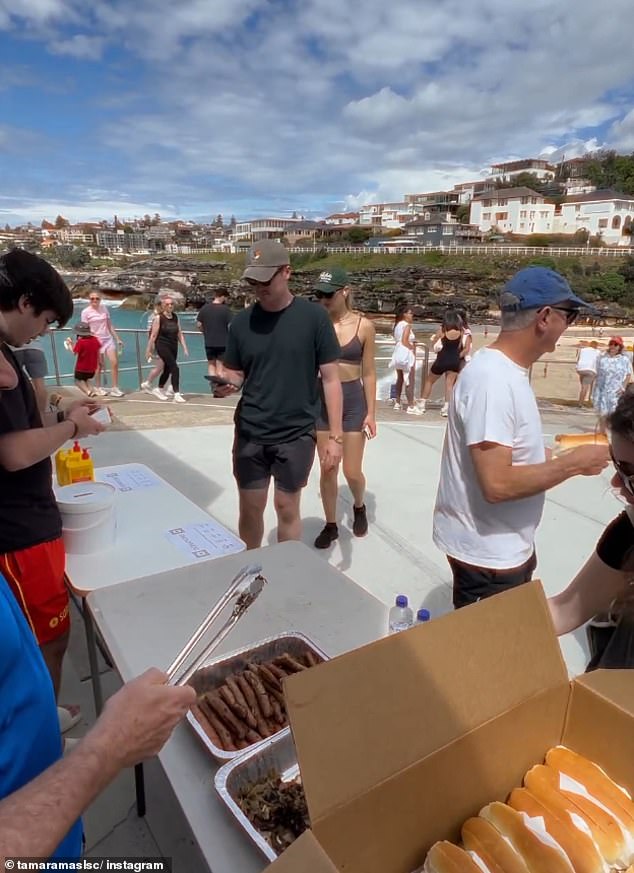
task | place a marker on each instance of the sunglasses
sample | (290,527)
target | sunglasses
(626,479)
(254,283)
(571,314)
(92,299)
(320,295)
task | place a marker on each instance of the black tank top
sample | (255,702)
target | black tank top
(168,329)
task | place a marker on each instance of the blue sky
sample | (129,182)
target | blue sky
(251,107)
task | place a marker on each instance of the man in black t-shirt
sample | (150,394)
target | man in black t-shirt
(276,350)
(213,320)
(32,559)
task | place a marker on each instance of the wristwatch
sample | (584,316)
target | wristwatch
(336,439)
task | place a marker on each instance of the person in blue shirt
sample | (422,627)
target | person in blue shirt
(42,793)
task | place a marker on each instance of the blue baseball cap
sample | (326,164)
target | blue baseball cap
(535,287)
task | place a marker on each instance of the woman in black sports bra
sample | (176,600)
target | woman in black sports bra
(357,371)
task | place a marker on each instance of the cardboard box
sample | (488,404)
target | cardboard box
(403,740)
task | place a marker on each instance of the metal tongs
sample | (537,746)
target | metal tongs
(244,589)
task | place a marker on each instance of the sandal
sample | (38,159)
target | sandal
(69,716)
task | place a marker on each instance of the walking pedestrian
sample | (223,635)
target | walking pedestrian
(403,357)
(587,358)
(614,372)
(276,349)
(213,321)
(97,316)
(357,372)
(165,336)
(449,361)
(494,470)
(87,350)
(157,363)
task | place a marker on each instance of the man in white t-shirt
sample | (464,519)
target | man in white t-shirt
(587,358)
(494,470)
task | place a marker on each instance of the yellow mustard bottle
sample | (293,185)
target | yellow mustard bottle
(81,468)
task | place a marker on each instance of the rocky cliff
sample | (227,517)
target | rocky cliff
(430,290)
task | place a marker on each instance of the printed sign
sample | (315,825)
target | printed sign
(204,540)
(130,479)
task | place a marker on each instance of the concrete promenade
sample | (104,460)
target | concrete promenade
(190,446)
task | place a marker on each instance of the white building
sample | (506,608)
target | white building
(264,228)
(508,170)
(387,215)
(342,218)
(606,213)
(512,210)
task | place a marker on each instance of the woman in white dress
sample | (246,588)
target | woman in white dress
(614,372)
(403,357)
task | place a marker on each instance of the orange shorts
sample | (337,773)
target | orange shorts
(37,578)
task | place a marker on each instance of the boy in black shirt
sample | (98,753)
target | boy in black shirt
(276,350)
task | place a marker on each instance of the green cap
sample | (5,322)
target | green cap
(330,281)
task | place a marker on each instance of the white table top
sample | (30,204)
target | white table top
(304,593)
(158,529)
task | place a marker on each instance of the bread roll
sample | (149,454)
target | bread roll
(541,853)
(543,782)
(597,782)
(579,847)
(444,857)
(485,841)
(567,441)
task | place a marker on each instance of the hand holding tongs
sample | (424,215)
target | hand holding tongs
(243,600)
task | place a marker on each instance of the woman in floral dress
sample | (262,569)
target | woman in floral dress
(614,371)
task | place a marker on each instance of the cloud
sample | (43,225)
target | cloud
(79,46)
(276,106)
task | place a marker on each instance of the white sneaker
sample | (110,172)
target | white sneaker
(100,392)
(158,392)
(445,410)
(397,405)
(178,398)
(145,386)
(116,392)
(169,391)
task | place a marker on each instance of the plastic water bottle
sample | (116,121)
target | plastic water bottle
(422,616)
(401,616)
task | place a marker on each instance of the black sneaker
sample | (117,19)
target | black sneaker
(360,523)
(327,536)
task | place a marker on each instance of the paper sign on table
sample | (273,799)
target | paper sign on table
(130,479)
(204,540)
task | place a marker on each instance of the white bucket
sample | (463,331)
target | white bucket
(88,516)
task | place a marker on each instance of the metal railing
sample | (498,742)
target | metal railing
(471,249)
(140,336)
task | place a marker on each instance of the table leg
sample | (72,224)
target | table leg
(139,787)
(91,643)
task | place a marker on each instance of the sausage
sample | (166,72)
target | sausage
(311,658)
(206,725)
(237,727)
(241,712)
(277,671)
(235,690)
(276,695)
(290,663)
(278,713)
(268,676)
(252,702)
(226,740)
(263,699)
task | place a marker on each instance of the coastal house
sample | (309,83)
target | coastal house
(506,171)
(264,228)
(605,213)
(512,210)
(342,218)
(441,231)
(389,216)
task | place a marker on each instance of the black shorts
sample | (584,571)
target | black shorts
(439,368)
(471,583)
(288,463)
(83,376)
(355,408)
(214,353)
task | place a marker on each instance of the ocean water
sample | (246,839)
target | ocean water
(193,368)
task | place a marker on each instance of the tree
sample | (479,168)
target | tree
(156,220)
(219,221)
(358,235)
(463,212)
(61,222)
(127,228)
(233,222)
(294,215)
(75,258)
